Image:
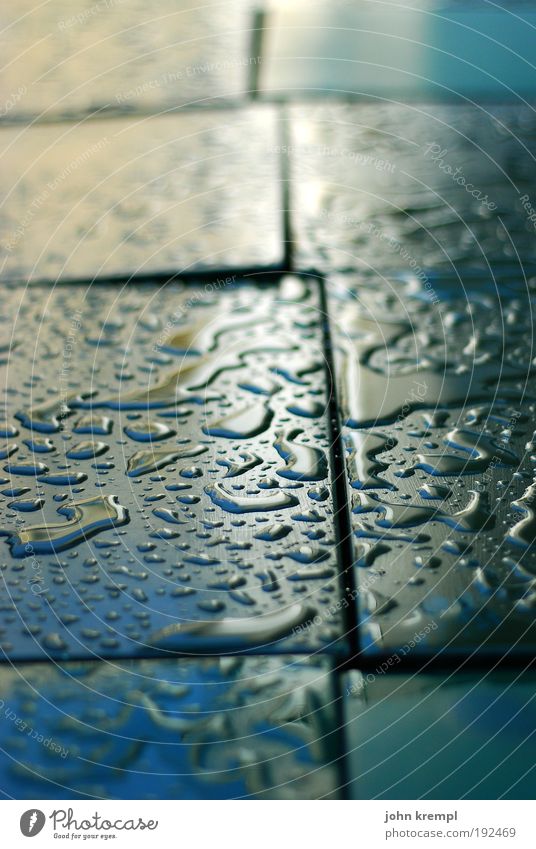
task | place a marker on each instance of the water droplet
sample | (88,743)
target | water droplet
(150,459)
(84,519)
(303,462)
(246,504)
(150,431)
(87,450)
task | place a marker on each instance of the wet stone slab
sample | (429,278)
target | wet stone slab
(165,473)
(68,58)
(122,197)
(412,187)
(324,49)
(437,403)
(462,736)
(172,729)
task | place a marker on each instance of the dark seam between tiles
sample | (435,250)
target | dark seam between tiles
(441,662)
(158,277)
(256,50)
(341,517)
(283,137)
(313,95)
(103,113)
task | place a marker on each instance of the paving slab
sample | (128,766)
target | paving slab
(435,382)
(174,729)
(68,58)
(457,736)
(412,187)
(124,197)
(434,50)
(166,473)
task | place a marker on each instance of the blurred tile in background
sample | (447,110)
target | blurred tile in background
(437,406)
(165,472)
(411,187)
(438,51)
(121,197)
(177,729)
(70,58)
(457,736)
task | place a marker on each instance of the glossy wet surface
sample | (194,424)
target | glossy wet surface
(71,59)
(434,49)
(435,383)
(259,507)
(166,471)
(185,729)
(412,187)
(125,197)
(459,736)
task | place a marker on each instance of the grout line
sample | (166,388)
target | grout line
(343,528)
(285,176)
(235,103)
(191,276)
(223,103)
(424,664)
(345,769)
(256,51)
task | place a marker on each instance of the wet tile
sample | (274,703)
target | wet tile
(68,58)
(359,49)
(463,736)
(172,729)
(406,187)
(156,195)
(437,406)
(165,476)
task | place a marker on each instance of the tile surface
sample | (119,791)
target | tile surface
(461,736)
(203,729)
(165,474)
(437,404)
(69,58)
(122,197)
(405,187)
(437,50)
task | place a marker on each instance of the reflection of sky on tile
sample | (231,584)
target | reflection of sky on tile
(199,537)
(441,737)
(377,185)
(377,49)
(188,729)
